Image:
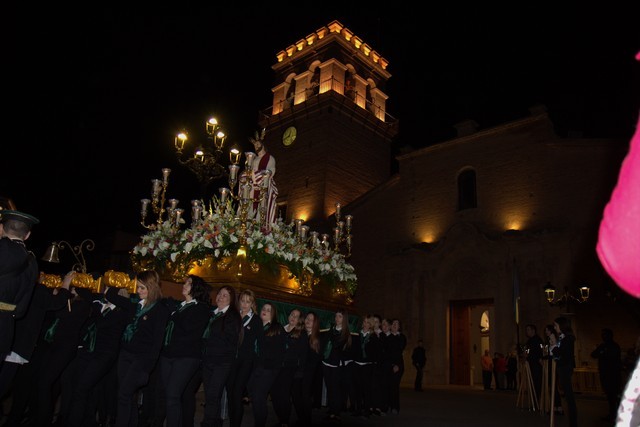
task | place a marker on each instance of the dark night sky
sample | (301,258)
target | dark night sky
(94,99)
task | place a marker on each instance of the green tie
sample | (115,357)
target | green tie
(207,331)
(90,337)
(51,332)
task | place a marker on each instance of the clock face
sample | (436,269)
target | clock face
(289,136)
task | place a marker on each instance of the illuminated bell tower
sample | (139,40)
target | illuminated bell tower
(328,127)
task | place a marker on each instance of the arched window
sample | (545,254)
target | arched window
(467,190)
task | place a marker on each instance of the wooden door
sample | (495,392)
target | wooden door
(460,365)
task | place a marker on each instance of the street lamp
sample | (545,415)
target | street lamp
(204,161)
(567,297)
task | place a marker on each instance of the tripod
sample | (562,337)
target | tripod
(526,390)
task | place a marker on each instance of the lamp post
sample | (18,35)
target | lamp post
(52,253)
(566,298)
(204,161)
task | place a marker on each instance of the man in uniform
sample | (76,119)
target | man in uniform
(18,273)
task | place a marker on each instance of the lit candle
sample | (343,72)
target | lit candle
(298,226)
(145,206)
(341,226)
(246,191)
(249,164)
(156,186)
(179,213)
(303,232)
(336,235)
(348,218)
(325,240)
(314,239)
(338,206)
(165,175)
(195,213)
(224,193)
(266,179)
(233,172)
(173,203)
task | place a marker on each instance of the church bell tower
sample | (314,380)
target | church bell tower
(328,128)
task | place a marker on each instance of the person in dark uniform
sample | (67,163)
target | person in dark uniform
(366,354)
(336,355)
(243,363)
(534,347)
(221,338)
(609,358)
(271,348)
(22,364)
(62,338)
(96,358)
(302,386)
(293,362)
(181,355)
(382,366)
(564,354)
(18,273)
(28,328)
(397,344)
(141,342)
(418,358)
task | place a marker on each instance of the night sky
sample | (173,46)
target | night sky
(94,98)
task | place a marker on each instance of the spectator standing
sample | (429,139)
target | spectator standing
(533,350)
(487,369)
(564,354)
(512,370)
(609,358)
(419,359)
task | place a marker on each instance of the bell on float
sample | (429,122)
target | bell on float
(51,254)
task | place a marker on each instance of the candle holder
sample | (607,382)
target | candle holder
(157,202)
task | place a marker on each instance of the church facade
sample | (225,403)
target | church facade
(460,243)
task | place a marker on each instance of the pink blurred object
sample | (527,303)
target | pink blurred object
(618,244)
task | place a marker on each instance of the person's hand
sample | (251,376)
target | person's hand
(396,368)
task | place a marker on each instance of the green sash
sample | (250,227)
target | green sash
(133,326)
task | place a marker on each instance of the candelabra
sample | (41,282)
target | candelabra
(204,161)
(52,253)
(567,298)
(157,202)
(249,188)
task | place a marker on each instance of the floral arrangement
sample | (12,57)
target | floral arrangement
(219,234)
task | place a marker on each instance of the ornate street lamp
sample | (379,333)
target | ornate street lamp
(204,161)
(567,298)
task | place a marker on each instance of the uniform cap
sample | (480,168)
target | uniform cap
(7,214)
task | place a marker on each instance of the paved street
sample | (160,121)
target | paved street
(458,406)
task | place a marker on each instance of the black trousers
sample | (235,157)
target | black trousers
(90,369)
(56,360)
(133,374)
(189,398)
(214,377)
(363,380)
(236,384)
(419,375)
(281,393)
(394,391)
(338,383)
(564,379)
(175,374)
(259,385)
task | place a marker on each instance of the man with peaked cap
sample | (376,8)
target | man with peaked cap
(18,273)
